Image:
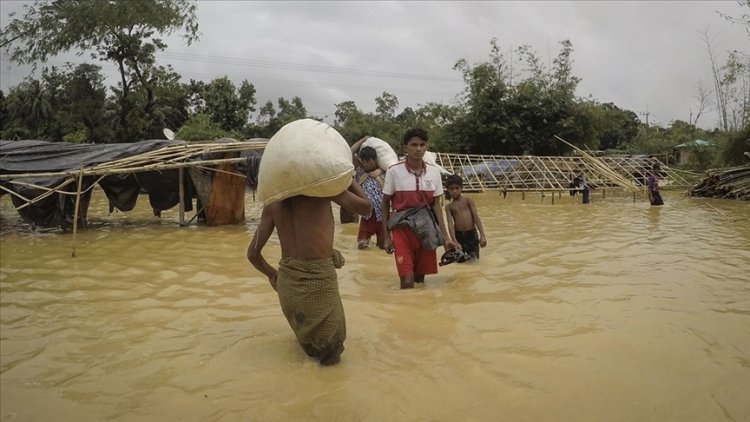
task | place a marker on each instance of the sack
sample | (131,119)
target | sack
(305,157)
(431,158)
(386,156)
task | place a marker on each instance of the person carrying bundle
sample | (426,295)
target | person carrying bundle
(371,178)
(298,206)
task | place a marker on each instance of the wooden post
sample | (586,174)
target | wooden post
(182,197)
(75,210)
(523,195)
(604,193)
(633,197)
(553,198)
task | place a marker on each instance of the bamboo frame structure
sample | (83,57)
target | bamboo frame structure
(525,173)
(175,156)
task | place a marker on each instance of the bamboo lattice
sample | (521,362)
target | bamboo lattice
(551,173)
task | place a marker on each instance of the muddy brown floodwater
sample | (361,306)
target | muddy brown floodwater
(613,311)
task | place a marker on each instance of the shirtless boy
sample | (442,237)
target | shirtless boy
(463,219)
(306,280)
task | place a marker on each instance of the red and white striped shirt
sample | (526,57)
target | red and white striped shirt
(409,190)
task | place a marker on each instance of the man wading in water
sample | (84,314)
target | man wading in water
(413,189)
(306,280)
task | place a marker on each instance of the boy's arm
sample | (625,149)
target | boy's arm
(385,212)
(477,222)
(355,149)
(449,219)
(354,199)
(449,242)
(254,255)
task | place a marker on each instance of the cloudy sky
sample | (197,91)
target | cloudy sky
(646,56)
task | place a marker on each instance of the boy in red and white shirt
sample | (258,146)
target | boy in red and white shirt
(413,183)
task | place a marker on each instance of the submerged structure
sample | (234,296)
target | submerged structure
(528,173)
(50,184)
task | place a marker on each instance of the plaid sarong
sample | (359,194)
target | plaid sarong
(309,296)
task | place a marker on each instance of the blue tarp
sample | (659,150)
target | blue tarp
(492,166)
(697,143)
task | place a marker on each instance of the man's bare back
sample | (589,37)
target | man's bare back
(304,226)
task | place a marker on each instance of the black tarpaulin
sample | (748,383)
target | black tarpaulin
(122,190)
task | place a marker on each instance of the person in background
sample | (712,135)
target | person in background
(653,186)
(306,280)
(463,219)
(580,182)
(416,228)
(372,179)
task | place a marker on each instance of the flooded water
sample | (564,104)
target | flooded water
(613,311)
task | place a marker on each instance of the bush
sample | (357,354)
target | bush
(731,148)
(199,127)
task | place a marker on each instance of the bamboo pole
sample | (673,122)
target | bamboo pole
(75,210)
(181,190)
(42,196)
(596,163)
(98,172)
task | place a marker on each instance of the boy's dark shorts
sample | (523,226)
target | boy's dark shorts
(469,241)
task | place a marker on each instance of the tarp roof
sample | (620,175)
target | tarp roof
(695,144)
(30,156)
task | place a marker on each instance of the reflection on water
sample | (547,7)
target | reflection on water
(613,310)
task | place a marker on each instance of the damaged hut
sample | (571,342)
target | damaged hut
(50,184)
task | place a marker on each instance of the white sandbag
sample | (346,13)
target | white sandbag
(305,157)
(386,156)
(431,158)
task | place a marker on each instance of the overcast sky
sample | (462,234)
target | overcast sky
(646,56)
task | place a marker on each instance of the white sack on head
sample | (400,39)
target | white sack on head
(305,157)
(386,156)
(431,158)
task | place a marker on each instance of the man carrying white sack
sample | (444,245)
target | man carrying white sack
(306,280)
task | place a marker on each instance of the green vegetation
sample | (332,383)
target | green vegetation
(502,110)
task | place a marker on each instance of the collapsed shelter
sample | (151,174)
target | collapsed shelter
(50,183)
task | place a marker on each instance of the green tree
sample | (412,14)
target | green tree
(520,113)
(345,111)
(171,108)
(437,120)
(88,95)
(615,128)
(290,111)
(29,111)
(199,127)
(269,120)
(266,113)
(386,105)
(225,104)
(121,31)
(483,124)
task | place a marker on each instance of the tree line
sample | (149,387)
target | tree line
(504,109)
